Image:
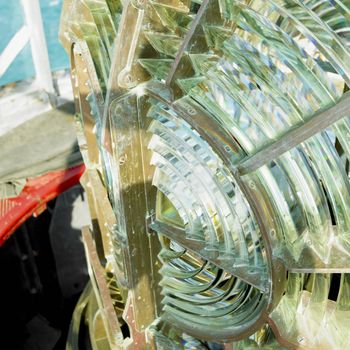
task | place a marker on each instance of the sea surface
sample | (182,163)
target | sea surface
(11,20)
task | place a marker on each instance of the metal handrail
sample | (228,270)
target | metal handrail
(32,31)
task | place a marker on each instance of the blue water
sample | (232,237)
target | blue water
(11,20)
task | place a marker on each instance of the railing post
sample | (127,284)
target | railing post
(39,49)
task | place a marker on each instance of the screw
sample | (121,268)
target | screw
(252,185)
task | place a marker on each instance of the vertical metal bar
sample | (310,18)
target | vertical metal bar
(186,41)
(39,49)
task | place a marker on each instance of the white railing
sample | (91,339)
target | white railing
(32,31)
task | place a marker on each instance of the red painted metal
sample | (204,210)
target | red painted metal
(32,200)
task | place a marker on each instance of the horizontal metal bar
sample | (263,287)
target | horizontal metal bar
(249,274)
(297,135)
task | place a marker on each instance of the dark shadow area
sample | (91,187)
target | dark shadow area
(42,273)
